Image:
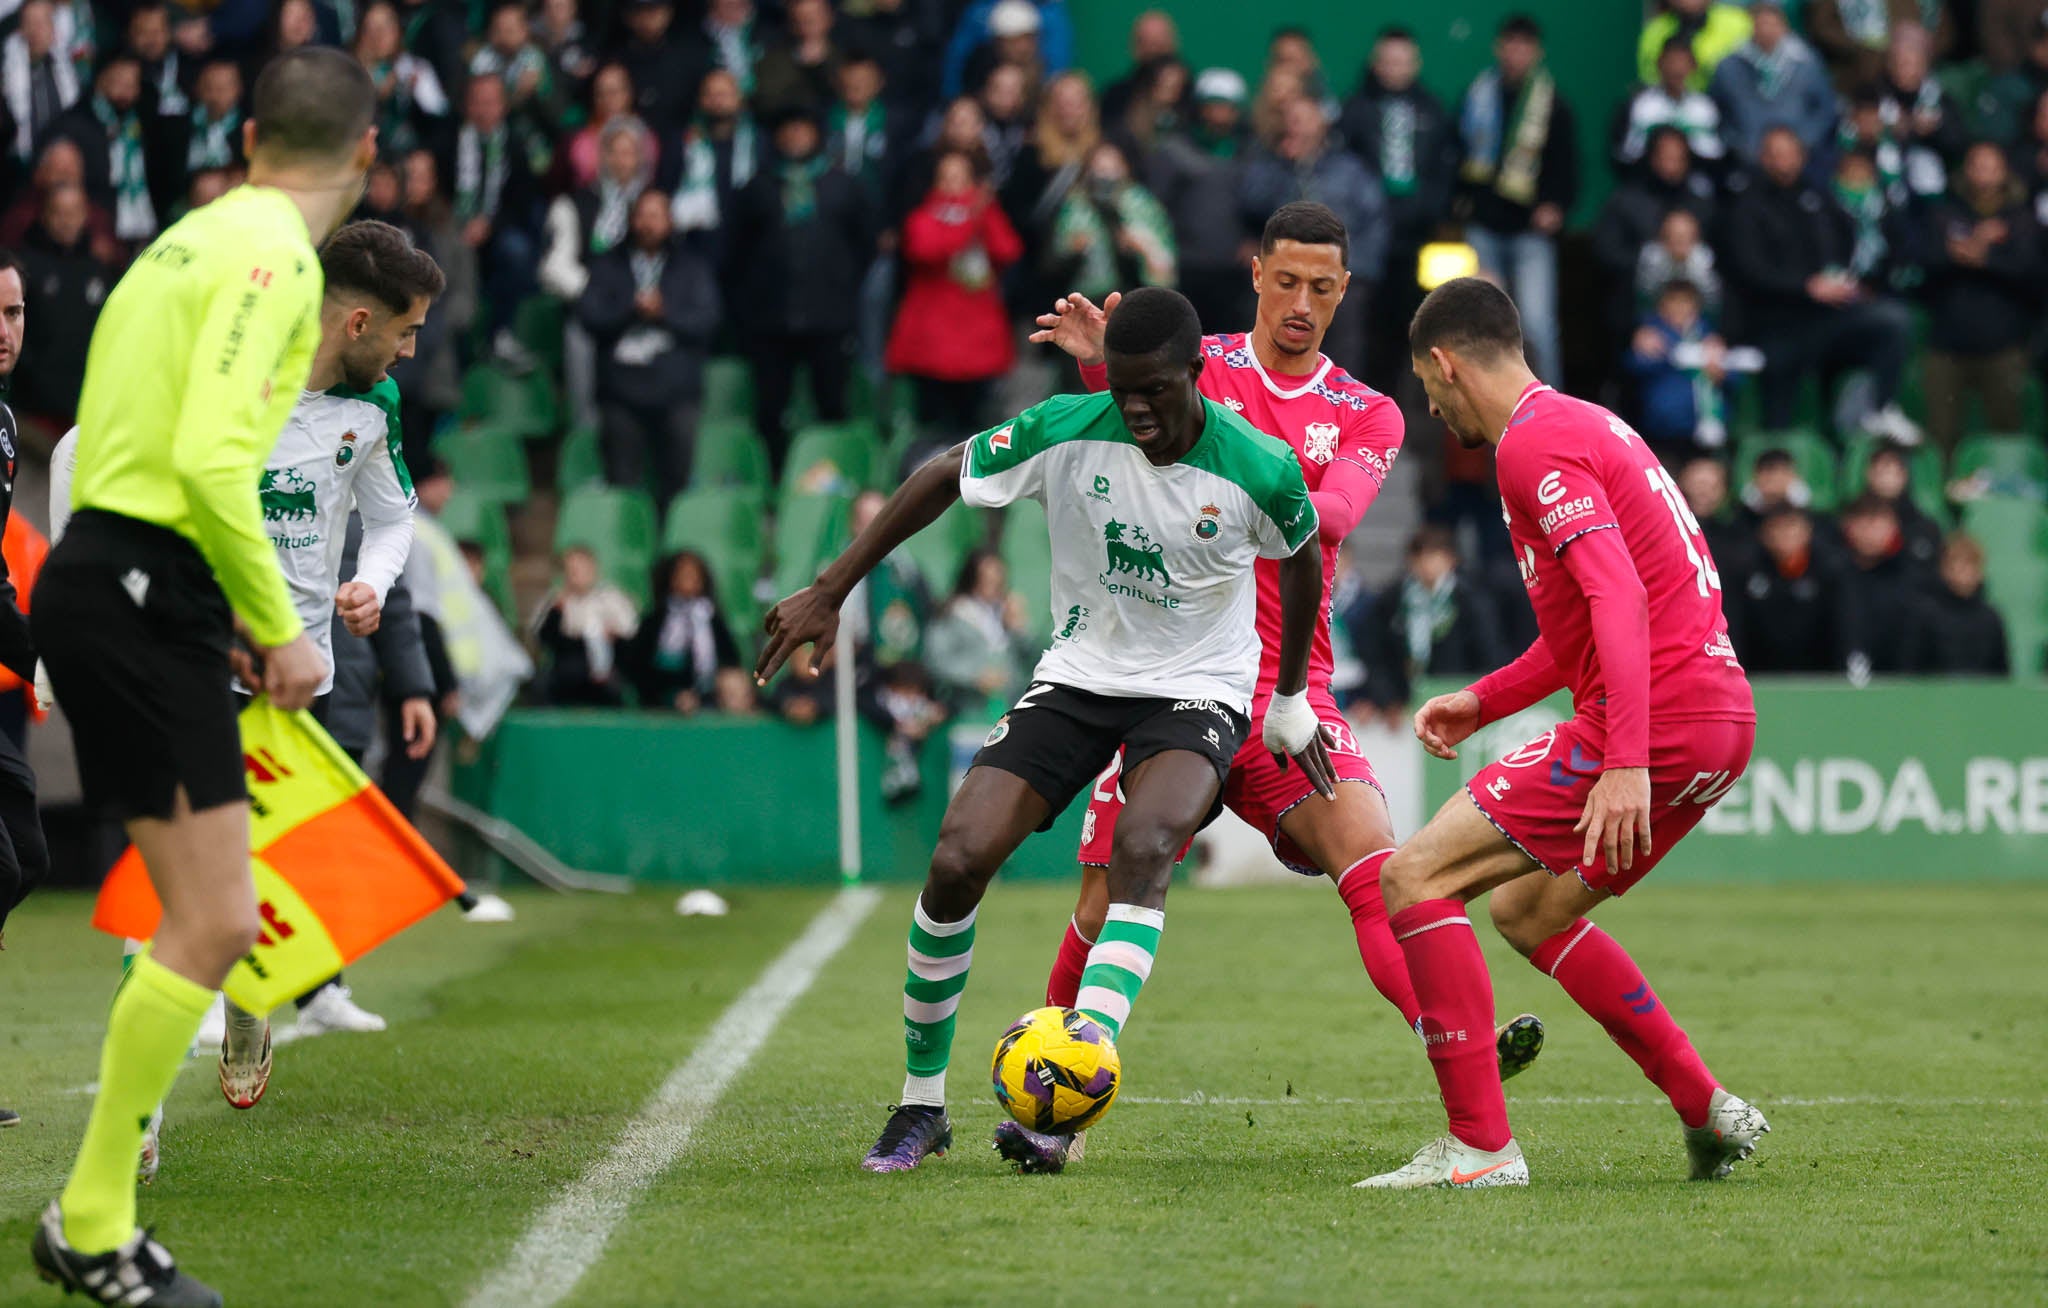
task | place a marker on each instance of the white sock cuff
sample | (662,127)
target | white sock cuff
(1566,952)
(1459,920)
(1135,913)
(926,924)
(929,1091)
(1074,924)
(1362,862)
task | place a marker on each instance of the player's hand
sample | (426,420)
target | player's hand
(416,723)
(1077,326)
(360,610)
(1445,721)
(292,673)
(1291,729)
(1617,818)
(809,617)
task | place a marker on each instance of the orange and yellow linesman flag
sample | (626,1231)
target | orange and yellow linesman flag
(338,870)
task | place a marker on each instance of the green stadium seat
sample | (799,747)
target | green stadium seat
(1924,463)
(618,525)
(728,453)
(538,324)
(474,519)
(2012,465)
(2014,534)
(808,529)
(525,405)
(1027,549)
(728,389)
(487,463)
(725,527)
(1814,454)
(939,548)
(831,458)
(581,462)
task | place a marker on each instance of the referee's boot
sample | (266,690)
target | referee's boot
(139,1272)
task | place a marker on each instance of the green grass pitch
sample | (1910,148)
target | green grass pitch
(1895,1036)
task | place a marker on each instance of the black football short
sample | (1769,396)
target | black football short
(1059,739)
(135,633)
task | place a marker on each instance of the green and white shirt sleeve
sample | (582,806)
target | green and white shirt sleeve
(384,496)
(1288,518)
(1002,464)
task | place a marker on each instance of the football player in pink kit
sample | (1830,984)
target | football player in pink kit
(1626,599)
(1345,436)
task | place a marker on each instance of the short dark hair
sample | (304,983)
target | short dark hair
(1773,458)
(1395,32)
(1432,537)
(1468,315)
(1869,505)
(1678,45)
(1309,223)
(1518,25)
(9,259)
(378,261)
(1154,318)
(312,103)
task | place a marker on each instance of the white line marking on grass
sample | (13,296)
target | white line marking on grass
(569,1236)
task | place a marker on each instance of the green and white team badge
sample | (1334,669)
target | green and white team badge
(997,732)
(287,496)
(347,453)
(1206,526)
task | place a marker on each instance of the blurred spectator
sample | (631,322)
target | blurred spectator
(730,38)
(1927,124)
(1669,102)
(683,646)
(430,383)
(1788,250)
(293,24)
(651,306)
(213,124)
(1677,360)
(1305,164)
(1045,170)
(495,193)
(980,646)
(206,186)
(412,103)
(1633,216)
(2005,30)
(1774,483)
(568,44)
(1163,106)
(1679,254)
(803,67)
(1433,622)
(865,135)
(886,611)
(581,226)
(1521,177)
(1278,88)
(1036,33)
(1789,604)
(1110,233)
(61,163)
(901,700)
(611,97)
(1154,35)
(1703,480)
(1879,588)
(1959,633)
(1709,29)
(1884,229)
(800,236)
(1199,174)
(165,75)
(383,196)
(510,54)
(2030,158)
(952,334)
(1403,134)
(581,625)
(905,37)
(1290,53)
(1005,98)
(108,129)
(1854,34)
(1774,80)
(1983,298)
(65,285)
(721,154)
(1889,477)
(39,81)
(664,70)
(439,34)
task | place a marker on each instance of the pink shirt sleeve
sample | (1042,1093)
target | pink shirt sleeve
(1095,376)
(1599,561)
(1346,492)
(1529,679)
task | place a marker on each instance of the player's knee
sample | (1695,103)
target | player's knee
(1404,880)
(960,870)
(1141,861)
(1518,920)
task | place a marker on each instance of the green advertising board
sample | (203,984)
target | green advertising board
(1893,781)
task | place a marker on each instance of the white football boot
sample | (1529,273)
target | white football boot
(1451,1163)
(333,1009)
(1730,1135)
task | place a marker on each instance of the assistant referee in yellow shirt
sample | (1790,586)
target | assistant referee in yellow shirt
(196,361)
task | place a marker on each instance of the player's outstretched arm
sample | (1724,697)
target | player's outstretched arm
(1077,326)
(811,616)
(1530,679)
(1291,728)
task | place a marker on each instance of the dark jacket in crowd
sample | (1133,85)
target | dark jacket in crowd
(520,196)
(1464,641)
(1413,211)
(798,272)
(1958,635)
(1337,178)
(651,363)
(1557,178)
(389,666)
(908,43)
(1198,182)
(1983,310)
(1636,209)
(66,286)
(657,677)
(1878,602)
(1788,624)
(1776,237)
(665,78)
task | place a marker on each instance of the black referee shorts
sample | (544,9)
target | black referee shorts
(135,633)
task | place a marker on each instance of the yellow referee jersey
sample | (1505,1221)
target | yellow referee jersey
(197,359)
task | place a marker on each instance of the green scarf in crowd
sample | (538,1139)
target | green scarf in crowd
(799,178)
(134,216)
(1397,146)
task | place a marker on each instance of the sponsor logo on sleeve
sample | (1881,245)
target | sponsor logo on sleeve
(1551,489)
(1001,439)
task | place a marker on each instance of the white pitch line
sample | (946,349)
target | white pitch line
(569,1236)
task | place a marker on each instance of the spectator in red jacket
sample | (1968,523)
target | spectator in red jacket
(952,334)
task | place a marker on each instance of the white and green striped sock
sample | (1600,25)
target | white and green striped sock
(1119,964)
(940,953)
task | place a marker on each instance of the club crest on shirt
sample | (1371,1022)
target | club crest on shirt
(347,453)
(1207,525)
(996,733)
(1321,442)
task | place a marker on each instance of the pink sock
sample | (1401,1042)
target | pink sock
(1359,886)
(1602,979)
(1456,994)
(1064,985)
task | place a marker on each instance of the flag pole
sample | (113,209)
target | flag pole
(848,749)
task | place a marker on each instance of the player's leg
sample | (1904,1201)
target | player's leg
(1428,882)
(1098,835)
(989,816)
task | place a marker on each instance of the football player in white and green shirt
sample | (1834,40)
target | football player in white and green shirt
(1158,503)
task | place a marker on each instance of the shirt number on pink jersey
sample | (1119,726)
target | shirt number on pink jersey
(1688,527)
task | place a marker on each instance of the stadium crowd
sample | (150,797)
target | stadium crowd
(1815,284)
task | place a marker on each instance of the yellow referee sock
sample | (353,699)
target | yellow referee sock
(155,1015)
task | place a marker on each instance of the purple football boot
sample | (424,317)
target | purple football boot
(1035,1151)
(914,1131)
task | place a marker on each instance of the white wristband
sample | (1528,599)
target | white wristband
(1290,723)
